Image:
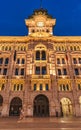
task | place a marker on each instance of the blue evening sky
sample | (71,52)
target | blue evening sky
(66,12)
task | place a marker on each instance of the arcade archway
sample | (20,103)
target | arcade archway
(15,106)
(1,100)
(1,103)
(41,106)
(66,107)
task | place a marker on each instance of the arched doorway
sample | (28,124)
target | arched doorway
(1,103)
(1,100)
(66,107)
(15,106)
(41,106)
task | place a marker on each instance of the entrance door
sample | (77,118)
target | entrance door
(41,106)
(15,106)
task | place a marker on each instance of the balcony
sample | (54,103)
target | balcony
(40,76)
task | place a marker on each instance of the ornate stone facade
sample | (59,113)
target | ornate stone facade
(40,73)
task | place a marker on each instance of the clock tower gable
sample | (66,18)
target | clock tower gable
(40,22)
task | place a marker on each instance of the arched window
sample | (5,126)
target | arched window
(43,55)
(37,55)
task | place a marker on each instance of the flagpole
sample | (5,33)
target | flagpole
(40,3)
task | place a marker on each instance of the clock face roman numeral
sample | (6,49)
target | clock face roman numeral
(40,24)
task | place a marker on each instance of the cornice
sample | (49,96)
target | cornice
(23,39)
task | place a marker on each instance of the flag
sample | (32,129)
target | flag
(66,57)
(15,53)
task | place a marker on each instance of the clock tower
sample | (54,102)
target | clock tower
(40,23)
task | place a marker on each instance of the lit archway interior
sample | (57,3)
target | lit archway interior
(80,103)
(66,107)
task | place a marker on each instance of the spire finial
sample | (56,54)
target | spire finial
(40,3)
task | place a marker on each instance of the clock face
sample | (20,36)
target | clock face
(40,24)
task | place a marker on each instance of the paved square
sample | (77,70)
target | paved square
(13,123)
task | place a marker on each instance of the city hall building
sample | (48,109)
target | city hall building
(40,73)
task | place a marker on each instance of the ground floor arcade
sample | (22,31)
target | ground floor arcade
(41,106)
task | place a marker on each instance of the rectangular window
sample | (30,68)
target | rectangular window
(5,71)
(67,87)
(60,87)
(76,71)
(47,87)
(22,71)
(18,61)
(64,87)
(64,72)
(23,61)
(63,61)
(18,87)
(37,55)
(6,61)
(3,86)
(43,55)
(21,87)
(14,87)
(16,71)
(37,71)
(58,61)
(74,61)
(59,71)
(44,70)
(0,70)
(79,59)
(1,61)
(40,86)
(79,87)
(35,87)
